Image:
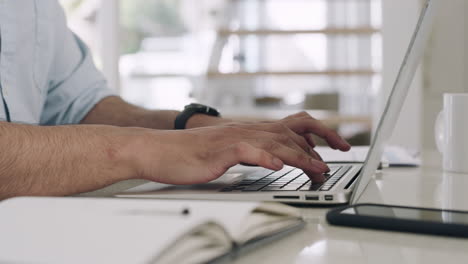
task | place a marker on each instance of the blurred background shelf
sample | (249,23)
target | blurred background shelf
(272,57)
(328,31)
(290,73)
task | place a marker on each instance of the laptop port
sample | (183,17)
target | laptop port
(312,198)
(286,197)
(328,197)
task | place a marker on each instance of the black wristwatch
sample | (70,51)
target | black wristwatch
(190,110)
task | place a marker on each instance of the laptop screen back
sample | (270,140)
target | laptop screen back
(397,96)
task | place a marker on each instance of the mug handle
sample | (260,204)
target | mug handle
(439,130)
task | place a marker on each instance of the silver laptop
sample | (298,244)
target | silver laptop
(345,182)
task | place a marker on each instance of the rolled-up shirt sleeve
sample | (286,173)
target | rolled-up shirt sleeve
(75,84)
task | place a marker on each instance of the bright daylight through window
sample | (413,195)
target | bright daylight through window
(259,55)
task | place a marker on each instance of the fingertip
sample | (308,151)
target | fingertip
(319,166)
(338,143)
(277,163)
(316,177)
(345,146)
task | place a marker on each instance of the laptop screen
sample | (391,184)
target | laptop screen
(397,96)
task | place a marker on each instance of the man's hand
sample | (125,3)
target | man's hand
(200,155)
(296,131)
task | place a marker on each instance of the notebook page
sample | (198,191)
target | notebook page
(238,218)
(83,230)
(68,230)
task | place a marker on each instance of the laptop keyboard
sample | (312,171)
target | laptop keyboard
(287,179)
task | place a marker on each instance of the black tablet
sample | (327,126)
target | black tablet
(400,218)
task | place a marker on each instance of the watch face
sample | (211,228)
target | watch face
(195,106)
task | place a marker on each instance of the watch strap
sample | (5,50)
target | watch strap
(190,110)
(183,117)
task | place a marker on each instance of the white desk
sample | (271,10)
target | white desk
(319,242)
(426,186)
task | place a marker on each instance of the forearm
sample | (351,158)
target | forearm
(56,161)
(117,112)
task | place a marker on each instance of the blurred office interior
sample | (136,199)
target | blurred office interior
(252,59)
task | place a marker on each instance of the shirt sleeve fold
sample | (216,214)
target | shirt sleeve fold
(76,85)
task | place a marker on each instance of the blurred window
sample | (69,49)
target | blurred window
(287,53)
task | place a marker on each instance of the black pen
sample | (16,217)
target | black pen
(155,212)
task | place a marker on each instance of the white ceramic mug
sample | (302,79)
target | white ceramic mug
(451,132)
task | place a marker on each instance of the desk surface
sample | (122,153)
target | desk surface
(319,242)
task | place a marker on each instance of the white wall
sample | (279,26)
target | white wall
(399,20)
(445,67)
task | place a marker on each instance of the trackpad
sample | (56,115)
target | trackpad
(223,181)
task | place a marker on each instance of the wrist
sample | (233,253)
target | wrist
(127,147)
(201,120)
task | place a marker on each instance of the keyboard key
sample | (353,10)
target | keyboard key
(342,171)
(335,178)
(282,181)
(290,175)
(258,175)
(276,184)
(301,180)
(291,188)
(333,170)
(271,188)
(281,172)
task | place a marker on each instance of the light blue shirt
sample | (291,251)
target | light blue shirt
(47,74)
